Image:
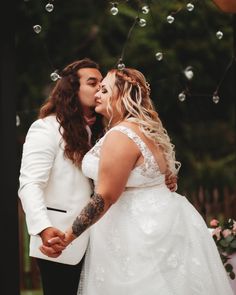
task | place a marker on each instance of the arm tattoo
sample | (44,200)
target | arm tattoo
(89,215)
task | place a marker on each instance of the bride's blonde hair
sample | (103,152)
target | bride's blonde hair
(133,104)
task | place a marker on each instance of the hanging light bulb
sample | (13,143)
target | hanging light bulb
(17,120)
(145,9)
(219,35)
(182,96)
(215,97)
(49,7)
(37,29)
(170,19)
(142,22)
(159,56)
(54,76)
(188,72)
(120,66)
(114,10)
(190,7)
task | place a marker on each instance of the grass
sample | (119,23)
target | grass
(31,292)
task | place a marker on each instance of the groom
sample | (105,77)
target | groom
(53,189)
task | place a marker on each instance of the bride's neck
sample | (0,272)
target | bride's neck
(117,121)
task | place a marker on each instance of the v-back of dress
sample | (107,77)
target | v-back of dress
(151,241)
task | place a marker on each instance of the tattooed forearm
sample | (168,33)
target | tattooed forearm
(89,215)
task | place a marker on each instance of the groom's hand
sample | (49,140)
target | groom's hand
(52,249)
(57,245)
(171,182)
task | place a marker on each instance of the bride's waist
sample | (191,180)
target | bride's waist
(146,188)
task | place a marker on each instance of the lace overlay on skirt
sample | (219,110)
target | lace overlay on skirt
(151,241)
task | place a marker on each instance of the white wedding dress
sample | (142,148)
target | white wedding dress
(151,241)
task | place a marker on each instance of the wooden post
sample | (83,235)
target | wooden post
(9,280)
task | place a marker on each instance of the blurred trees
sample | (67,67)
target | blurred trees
(202,131)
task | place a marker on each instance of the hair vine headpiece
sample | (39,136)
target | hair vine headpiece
(148,87)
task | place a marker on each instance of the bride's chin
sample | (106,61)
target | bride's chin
(98,110)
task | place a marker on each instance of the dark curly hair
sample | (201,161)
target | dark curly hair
(63,102)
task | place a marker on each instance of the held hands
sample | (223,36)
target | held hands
(55,241)
(171,182)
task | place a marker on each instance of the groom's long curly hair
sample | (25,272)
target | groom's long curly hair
(63,102)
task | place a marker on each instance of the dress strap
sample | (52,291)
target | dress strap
(133,135)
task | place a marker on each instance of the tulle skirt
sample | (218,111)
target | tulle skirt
(152,242)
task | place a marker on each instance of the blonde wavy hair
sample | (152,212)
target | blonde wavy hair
(133,103)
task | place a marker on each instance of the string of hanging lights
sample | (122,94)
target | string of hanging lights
(145,8)
(159,55)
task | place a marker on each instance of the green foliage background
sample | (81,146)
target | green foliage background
(203,132)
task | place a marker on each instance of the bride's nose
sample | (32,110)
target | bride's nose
(97,94)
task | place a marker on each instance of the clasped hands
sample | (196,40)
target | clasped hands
(55,241)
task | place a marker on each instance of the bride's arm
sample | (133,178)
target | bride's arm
(118,157)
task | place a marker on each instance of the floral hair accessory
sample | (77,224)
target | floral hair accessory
(148,87)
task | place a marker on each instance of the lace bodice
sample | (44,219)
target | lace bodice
(144,175)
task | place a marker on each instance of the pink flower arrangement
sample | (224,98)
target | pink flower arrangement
(224,235)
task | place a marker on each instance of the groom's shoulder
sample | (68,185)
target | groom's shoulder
(47,124)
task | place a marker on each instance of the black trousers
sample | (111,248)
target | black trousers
(58,278)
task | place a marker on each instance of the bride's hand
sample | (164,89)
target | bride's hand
(56,244)
(69,236)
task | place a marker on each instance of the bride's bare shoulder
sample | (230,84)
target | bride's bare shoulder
(132,125)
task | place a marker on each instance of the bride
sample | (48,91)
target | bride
(144,239)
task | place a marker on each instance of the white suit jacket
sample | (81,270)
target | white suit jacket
(52,189)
